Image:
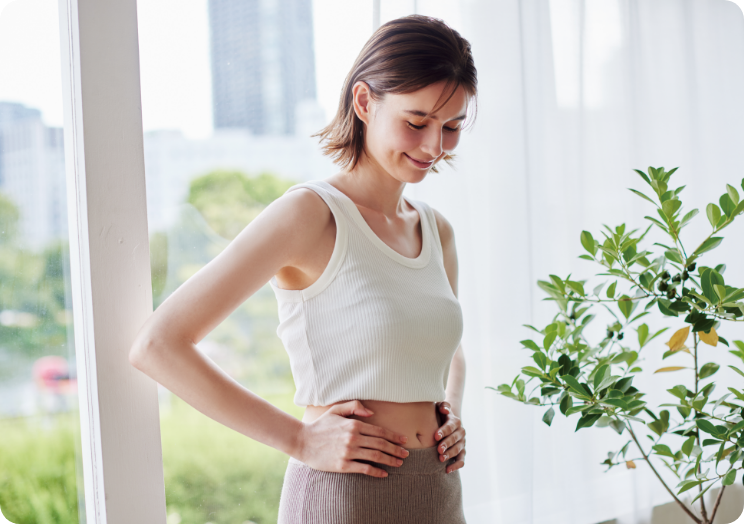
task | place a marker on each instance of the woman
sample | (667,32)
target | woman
(366,282)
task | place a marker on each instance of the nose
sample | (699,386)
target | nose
(432,142)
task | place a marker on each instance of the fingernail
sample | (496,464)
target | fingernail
(398,461)
(405,452)
(446,409)
(404,439)
(445,457)
(444,448)
(439,434)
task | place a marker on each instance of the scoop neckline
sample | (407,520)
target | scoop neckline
(420,261)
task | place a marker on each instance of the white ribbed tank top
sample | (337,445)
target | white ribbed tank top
(376,325)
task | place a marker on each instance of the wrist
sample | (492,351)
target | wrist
(297,443)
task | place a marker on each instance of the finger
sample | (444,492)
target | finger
(376,456)
(383,445)
(457,465)
(451,440)
(447,428)
(365,469)
(353,407)
(445,408)
(453,450)
(376,431)
(458,462)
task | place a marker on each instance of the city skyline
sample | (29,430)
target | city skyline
(173,54)
(262,61)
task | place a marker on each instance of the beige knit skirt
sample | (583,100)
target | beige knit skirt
(419,491)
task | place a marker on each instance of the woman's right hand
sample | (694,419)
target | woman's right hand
(334,443)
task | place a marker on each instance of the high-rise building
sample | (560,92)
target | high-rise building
(32,173)
(263,63)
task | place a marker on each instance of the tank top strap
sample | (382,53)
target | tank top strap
(322,189)
(431,221)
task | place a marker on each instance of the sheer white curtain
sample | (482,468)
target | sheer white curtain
(574,95)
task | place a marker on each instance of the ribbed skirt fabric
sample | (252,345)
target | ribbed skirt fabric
(419,491)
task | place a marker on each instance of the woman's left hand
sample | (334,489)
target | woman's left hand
(451,438)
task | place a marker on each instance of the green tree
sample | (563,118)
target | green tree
(229,200)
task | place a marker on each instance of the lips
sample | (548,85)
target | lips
(421,164)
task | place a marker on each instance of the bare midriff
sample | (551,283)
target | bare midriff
(416,420)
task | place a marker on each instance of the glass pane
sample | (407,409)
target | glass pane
(40,454)
(231,92)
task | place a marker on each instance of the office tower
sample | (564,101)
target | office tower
(263,63)
(32,174)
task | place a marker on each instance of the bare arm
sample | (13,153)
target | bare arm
(283,235)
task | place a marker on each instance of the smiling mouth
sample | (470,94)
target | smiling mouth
(420,163)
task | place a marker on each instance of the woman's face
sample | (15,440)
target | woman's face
(400,138)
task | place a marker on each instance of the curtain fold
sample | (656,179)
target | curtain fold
(573,95)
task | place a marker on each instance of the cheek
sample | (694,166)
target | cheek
(450,141)
(394,138)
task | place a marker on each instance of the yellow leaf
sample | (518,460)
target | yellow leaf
(670,368)
(683,348)
(630,464)
(709,338)
(727,452)
(678,339)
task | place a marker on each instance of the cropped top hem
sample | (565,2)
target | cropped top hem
(389,398)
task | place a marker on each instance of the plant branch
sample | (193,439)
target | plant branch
(681,504)
(715,506)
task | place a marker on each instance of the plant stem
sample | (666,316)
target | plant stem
(681,504)
(718,501)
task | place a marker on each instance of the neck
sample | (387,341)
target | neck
(371,186)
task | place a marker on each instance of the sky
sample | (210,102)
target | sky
(174,55)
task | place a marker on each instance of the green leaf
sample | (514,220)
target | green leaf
(611,290)
(549,339)
(642,334)
(689,484)
(689,216)
(530,344)
(575,386)
(587,420)
(706,426)
(709,244)
(730,476)
(587,240)
(732,194)
(670,207)
(558,283)
(708,369)
(642,196)
(626,305)
(645,177)
(714,214)
(740,372)
(673,255)
(548,416)
(727,205)
(662,449)
(576,286)
(687,446)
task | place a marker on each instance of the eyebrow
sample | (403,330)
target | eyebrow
(423,114)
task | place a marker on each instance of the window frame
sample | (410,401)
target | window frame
(109,260)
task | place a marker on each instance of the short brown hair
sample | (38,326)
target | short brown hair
(402,56)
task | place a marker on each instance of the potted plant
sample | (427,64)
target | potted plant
(700,439)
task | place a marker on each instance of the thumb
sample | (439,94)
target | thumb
(353,407)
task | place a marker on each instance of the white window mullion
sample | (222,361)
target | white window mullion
(110,265)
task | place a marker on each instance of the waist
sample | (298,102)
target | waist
(416,420)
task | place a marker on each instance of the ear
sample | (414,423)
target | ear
(362,97)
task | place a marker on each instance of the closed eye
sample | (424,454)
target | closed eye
(448,129)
